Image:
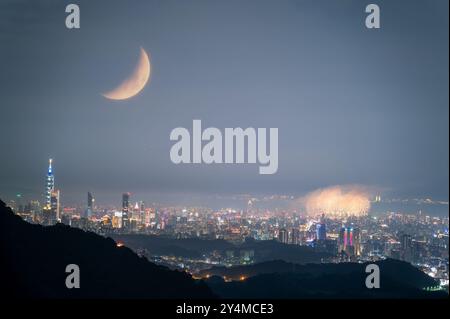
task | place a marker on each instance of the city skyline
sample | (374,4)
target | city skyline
(337,199)
(418,239)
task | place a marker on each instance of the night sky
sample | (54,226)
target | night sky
(352,105)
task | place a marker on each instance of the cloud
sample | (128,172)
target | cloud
(337,201)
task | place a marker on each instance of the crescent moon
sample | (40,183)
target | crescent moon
(135,82)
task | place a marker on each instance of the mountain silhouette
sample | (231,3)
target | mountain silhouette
(279,279)
(263,250)
(34,259)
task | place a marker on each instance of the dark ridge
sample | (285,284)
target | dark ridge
(304,286)
(186,247)
(279,279)
(264,250)
(34,259)
(402,271)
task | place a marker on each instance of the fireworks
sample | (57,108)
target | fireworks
(337,201)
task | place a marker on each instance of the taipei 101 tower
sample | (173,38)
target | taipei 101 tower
(50,185)
(51,210)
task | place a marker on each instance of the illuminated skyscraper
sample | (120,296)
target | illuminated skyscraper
(117,220)
(283,236)
(50,185)
(350,241)
(55,207)
(142,213)
(249,207)
(51,209)
(321,230)
(125,210)
(135,213)
(90,205)
(357,241)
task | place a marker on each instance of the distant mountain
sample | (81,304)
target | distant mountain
(237,272)
(267,250)
(264,250)
(411,206)
(160,245)
(279,279)
(34,259)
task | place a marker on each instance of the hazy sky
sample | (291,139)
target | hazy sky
(353,106)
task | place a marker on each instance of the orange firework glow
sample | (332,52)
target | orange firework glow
(337,201)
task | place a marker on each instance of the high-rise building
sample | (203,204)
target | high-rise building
(35,210)
(350,241)
(136,212)
(283,236)
(406,247)
(249,207)
(50,184)
(342,239)
(90,205)
(117,220)
(142,213)
(20,203)
(51,209)
(321,230)
(295,236)
(55,206)
(125,211)
(357,241)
